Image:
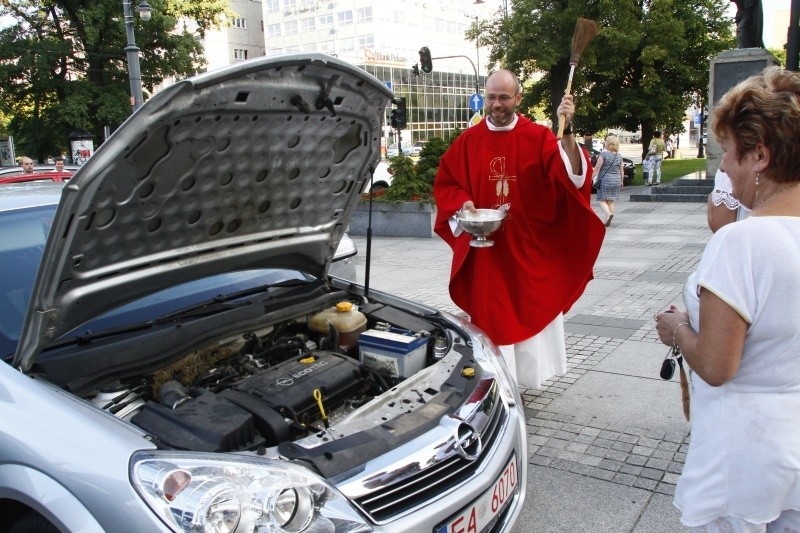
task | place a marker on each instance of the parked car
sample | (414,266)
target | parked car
(35,176)
(177,358)
(381,178)
(392,151)
(627,166)
(13,171)
(417,147)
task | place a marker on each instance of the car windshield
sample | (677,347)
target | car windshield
(22,244)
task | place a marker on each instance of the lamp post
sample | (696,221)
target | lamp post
(132,51)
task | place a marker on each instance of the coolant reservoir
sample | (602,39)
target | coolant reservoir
(346,318)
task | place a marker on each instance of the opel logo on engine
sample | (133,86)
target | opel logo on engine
(284,382)
(468,442)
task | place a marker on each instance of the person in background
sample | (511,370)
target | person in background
(518,290)
(27,164)
(723,207)
(58,161)
(655,154)
(669,147)
(609,172)
(739,334)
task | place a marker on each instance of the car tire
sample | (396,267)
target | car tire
(33,522)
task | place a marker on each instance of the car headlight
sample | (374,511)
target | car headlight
(239,494)
(488,355)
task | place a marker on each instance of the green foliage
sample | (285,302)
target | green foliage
(429,158)
(414,182)
(406,185)
(780,55)
(648,64)
(65,66)
(673,169)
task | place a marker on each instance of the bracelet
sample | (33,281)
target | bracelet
(675,333)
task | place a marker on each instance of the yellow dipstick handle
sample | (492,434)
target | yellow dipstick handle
(318,397)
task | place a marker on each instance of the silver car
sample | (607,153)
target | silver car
(176,356)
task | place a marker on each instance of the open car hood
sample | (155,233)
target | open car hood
(257,165)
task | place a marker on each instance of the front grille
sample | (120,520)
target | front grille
(393,500)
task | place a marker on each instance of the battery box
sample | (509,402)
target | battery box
(392,352)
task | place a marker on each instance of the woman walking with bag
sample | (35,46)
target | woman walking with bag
(741,331)
(609,172)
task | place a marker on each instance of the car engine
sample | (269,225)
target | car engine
(261,389)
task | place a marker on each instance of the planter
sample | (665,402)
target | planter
(404,219)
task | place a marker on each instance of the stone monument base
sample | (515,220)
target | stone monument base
(727,69)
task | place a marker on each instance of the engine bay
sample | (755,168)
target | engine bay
(288,382)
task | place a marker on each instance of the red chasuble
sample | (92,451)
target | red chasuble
(543,253)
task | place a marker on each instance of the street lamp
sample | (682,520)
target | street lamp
(135,76)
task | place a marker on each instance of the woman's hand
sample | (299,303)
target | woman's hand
(667,322)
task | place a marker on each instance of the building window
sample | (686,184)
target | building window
(272,6)
(273,30)
(290,27)
(399,17)
(310,47)
(327,47)
(239,54)
(240,23)
(366,41)
(289,4)
(307,24)
(326,20)
(364,14)
(439,25)
(347,45)
(345,17)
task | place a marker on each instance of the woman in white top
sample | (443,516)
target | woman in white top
(723,206)
(741,331)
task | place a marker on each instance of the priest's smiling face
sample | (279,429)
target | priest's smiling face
(502,97)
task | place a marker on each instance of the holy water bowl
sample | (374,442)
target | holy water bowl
(480,225)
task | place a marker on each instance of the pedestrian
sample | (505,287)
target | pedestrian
(58,161)
(543,254)
(27,164)
(739,334)
(723,206)
(647,169)
(669,147)
(609,172)
(655,153)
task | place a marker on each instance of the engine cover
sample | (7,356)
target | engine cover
(289,387)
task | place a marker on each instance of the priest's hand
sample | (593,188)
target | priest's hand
(567,109)
(469,205)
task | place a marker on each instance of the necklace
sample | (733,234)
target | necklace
(773,194)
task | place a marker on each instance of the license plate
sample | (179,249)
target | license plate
(480,514)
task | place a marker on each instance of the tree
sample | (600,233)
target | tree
(65,67)
(648,64)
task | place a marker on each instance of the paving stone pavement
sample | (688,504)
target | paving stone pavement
(607,440)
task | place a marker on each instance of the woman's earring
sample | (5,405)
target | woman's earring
(755,200)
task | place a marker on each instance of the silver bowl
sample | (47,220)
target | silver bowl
(480,225)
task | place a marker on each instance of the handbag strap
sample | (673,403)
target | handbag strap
(600,177)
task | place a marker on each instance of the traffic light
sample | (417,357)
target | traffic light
(398,119)
(415,70)
(425,60)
